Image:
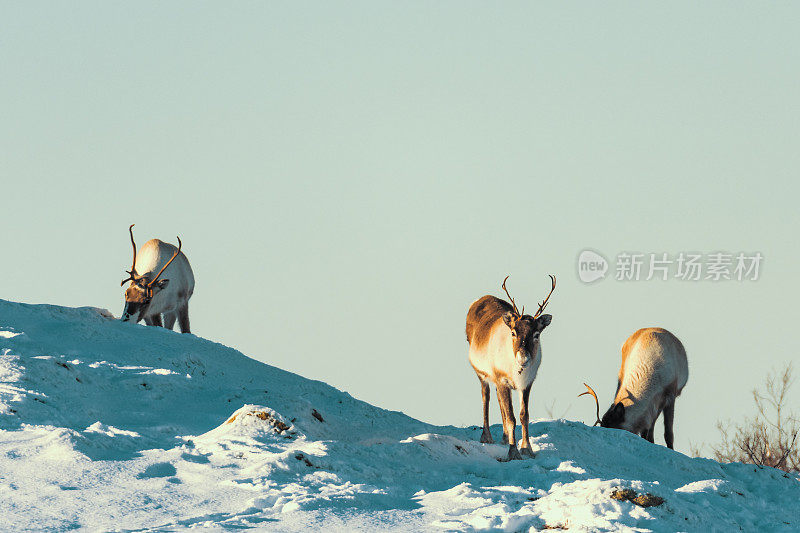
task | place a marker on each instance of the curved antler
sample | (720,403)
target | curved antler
(512,299)
(591,392)
(150,285)
(133,264)
(544,303)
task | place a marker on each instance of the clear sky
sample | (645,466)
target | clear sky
(348,177)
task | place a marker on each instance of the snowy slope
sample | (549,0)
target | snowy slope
(112,426)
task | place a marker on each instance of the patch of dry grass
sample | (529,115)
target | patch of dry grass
(642,500)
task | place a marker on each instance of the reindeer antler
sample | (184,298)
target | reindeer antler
(591,392)
(544,303)
(512,299)
(150,285)
(133,265)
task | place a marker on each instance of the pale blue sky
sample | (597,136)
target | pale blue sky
(347,177)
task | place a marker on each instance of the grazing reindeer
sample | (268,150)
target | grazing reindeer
(148,296)
(504,349)
(653,373)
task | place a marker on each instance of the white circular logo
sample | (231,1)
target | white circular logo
(591,266)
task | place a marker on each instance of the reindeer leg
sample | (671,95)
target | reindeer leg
(169,320)
(524,396)
(156,320)
(183,318)
(510,423)
(503,413)
(650,437)
(486,436)
(669,417)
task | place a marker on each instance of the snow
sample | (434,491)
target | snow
(112,426)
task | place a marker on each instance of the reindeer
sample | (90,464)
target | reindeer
(653,373)
(504,349)
(148,296)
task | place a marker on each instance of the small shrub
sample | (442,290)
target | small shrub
(768,439)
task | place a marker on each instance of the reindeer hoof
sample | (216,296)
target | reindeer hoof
(527,452)
(486,438)
(513,453)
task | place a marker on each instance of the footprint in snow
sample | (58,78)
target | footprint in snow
(195,458)
(158,470)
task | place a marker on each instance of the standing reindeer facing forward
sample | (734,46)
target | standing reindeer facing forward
(504,349)
(653,373)
(149,296)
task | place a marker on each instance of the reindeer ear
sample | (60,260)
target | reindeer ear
(509,319)
(619,411)
(544,320)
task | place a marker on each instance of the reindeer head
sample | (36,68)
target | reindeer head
(140,292)
(614,417)
(525,329)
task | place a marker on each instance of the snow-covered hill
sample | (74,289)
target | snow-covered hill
(113,426)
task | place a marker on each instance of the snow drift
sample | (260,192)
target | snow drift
(113,426)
